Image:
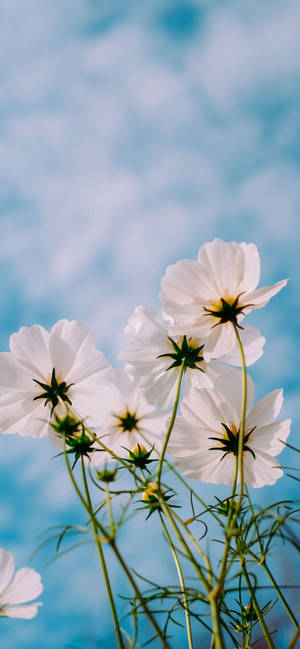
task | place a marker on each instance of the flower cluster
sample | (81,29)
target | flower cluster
(58,384)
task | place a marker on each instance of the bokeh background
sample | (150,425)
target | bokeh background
(131,133)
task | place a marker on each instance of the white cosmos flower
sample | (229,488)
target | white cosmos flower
(16,590)
(127,419)
(206,295)
(150,360)
(44,369)
(204,449)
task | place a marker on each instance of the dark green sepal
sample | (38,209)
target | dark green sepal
(231,444)
(53,392)
(186,353)
(127,423)
(140,459)
(228,312)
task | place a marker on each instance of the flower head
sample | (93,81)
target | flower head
(206,297)
(126,418)
(46,372)
(155,357)
(16,590)
(204,440)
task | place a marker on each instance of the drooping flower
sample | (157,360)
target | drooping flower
(127,419)
(204,441)
(206,296)
(155,357)
(45,372)
(16,590)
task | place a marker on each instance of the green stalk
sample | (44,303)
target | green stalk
(294,640)
(182,584)
(101,557)
(260,616)
(119,557)
(171,424)
(280,595)
(217,639)
(242,421)
(139,594)
(166,510)
(217,630)
(262,562)
(110,511)
(88,506)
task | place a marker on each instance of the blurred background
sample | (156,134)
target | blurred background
(131,133)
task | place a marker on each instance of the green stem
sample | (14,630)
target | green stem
(294,640)
(262,562)
(101,557)
(182,584)
(256,607)
(166,509)
(234,508)
(217,639)
(110,511)
(87,505)
(139,594)
(171,424)
(280,595)
(197,546)
(242,421)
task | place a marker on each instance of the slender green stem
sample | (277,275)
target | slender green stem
(196,544)
(242,420)
(168,513)
(139,594)
(110,511)
(182,584)
(217,639)
(262,562)
(258,612)
(88,507)
(171,424)
(212,643)
(294,640)
(102,558)
(280,595)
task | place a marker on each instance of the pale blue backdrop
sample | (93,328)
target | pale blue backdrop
(131,133)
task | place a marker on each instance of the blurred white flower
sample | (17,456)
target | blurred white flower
(206,296)
(127,418)
(44,370)
(155,357)
(204,440)
(16,590)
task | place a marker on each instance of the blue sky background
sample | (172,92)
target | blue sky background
(130,134)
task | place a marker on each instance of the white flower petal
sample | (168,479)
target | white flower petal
(270,438)
(7,566)
(30,347)
(266,409)
(14,376)
(259,298)
(26,612)
(261,471)
(25,586)
(186,439)
(18,413)
(65,341)
(145,328)
(230,385)
(183,283)
(225,263)
(252,342)
(221,340)
(208,409)
(161,391)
